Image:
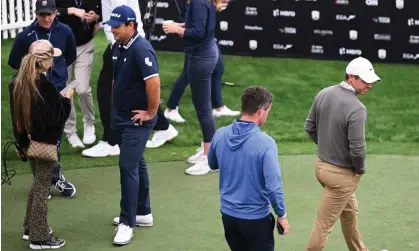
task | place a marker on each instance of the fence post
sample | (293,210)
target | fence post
(4,17)
(12,17)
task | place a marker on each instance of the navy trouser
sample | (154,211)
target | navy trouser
(180,85)
(135,194)
(249,235)
(201,66)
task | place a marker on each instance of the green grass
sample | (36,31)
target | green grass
(186,209)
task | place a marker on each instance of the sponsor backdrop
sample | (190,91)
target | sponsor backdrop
(380,30)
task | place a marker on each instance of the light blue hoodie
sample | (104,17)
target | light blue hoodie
(250,177)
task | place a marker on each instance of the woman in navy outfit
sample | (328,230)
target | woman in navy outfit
(202,54)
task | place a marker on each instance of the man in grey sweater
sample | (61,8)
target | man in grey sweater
(336,124)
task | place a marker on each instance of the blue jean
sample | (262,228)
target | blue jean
(135,186)
(180,85)
(201,66)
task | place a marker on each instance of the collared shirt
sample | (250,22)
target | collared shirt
(134,63)
(109,5)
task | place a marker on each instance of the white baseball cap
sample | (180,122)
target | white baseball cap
(363,68)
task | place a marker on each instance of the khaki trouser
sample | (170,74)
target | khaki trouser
(80,70)
(338,201)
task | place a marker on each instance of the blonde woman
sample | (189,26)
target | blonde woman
(38,110)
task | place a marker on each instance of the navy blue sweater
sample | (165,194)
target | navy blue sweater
(200,21)
(60,37)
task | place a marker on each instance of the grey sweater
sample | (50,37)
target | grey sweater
(336,123)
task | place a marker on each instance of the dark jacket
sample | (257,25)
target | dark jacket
(49,114)
(61,37)
(83,32)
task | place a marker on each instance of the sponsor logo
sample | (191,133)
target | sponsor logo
(346,51)
(382,54)
(317,49)
(223,25)
(323,32)
(371,2)
(345,17)
(410,56)
(158,38)
(116,15)
(342,2)
(385,37)
(253,28)
(315,15)
(382,20)
(159,20)
(353,34)
(414,39)
(253,44)
(228,43)
(288,30)
(283,13)
(164,5)
(413,22)
(282,47)
(251,11)
(399,4)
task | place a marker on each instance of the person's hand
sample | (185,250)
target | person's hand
(171,28)
(91,17)
(69,94)
(141,116)
(77,12)
(285,225)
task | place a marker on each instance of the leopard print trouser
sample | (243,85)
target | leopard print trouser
(37,206)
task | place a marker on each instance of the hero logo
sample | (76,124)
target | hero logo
(164,5)
(282,47)
(116,15)
(228,43)
(410,56)
(385,37)
(323,32)
(413,22)
(342,2)
(345,17)
(414,39)
(284,13)
(317,49)
(344,51)
(382,20)
(371,2)
(251,11)
(158,38)
(253,28)
(288,30)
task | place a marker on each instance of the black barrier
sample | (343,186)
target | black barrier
(380,30)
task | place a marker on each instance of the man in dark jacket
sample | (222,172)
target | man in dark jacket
(60,35)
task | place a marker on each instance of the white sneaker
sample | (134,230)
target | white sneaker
(140,220)
(123,235)
(198,156)
(225,112)
(89,136)
(75,141)
(161,137)
(200,168)
(174,115)
(102,149)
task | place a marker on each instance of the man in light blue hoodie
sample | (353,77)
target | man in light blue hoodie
(250,177)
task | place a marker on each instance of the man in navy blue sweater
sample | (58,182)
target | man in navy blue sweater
(60,35)
(250,177)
